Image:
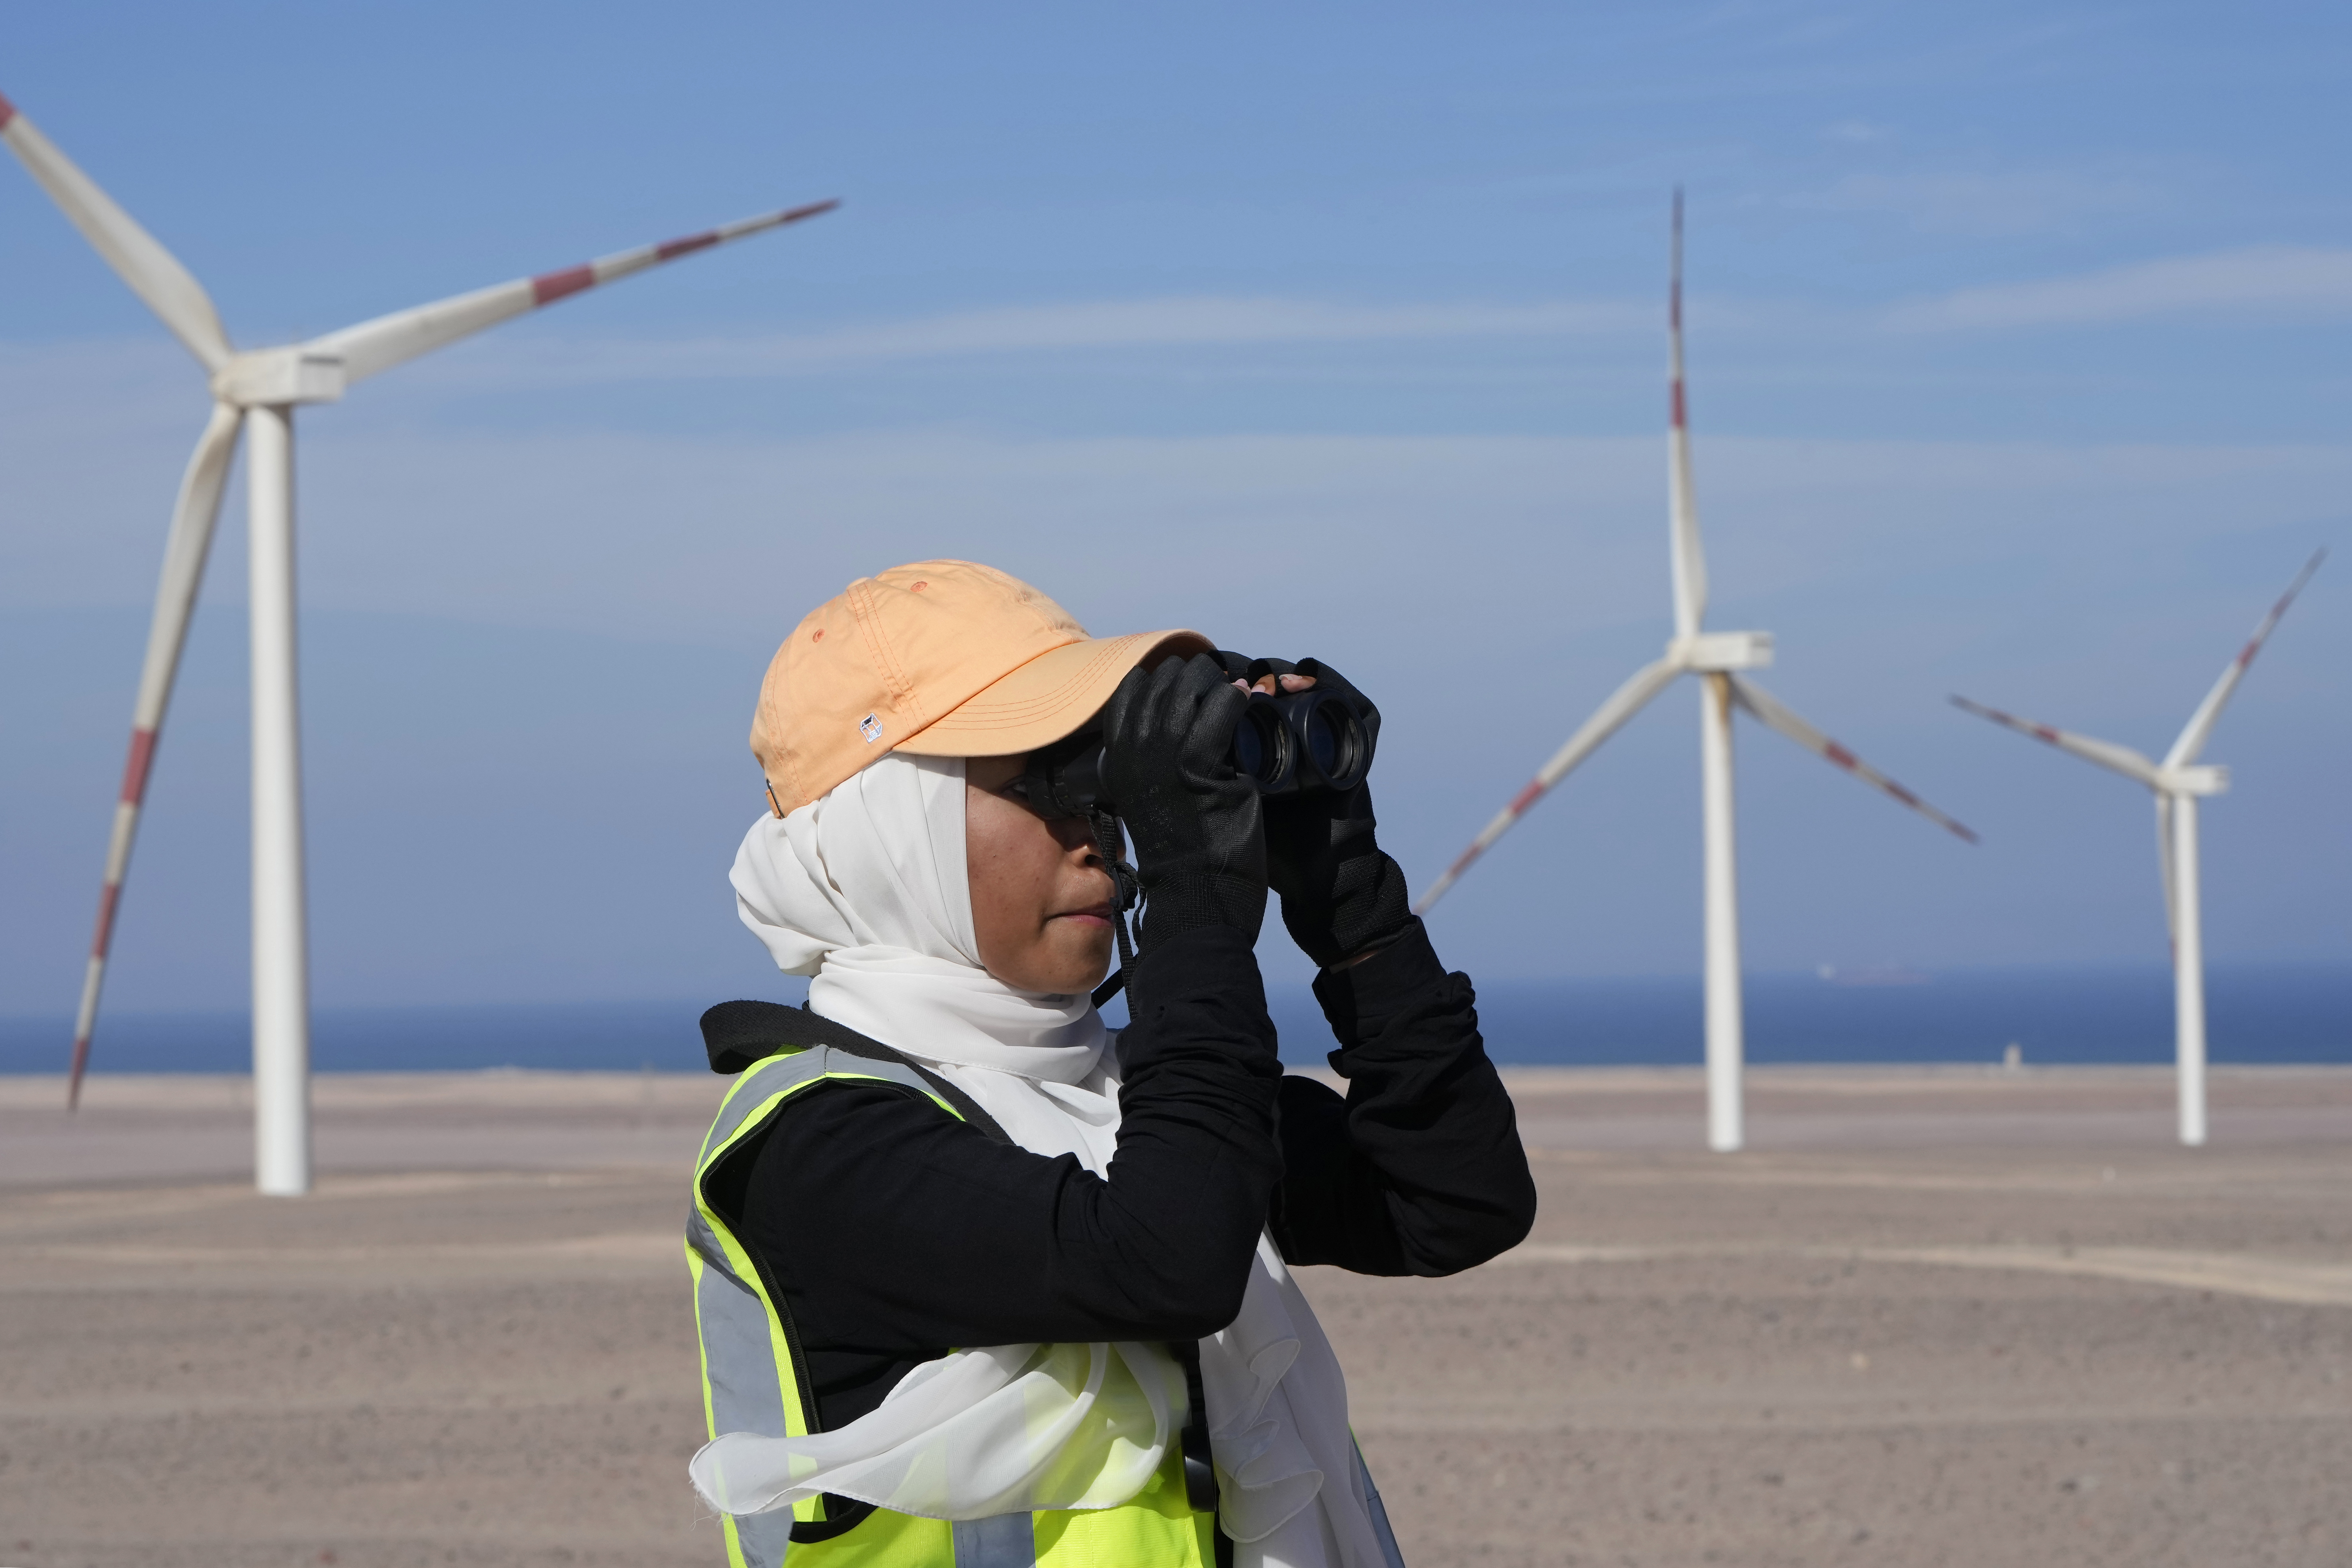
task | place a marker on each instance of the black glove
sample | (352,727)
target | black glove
(1340,895)
(1199,849)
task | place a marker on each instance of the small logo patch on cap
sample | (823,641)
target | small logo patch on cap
(871,727)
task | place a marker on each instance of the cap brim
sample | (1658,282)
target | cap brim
(1046,699)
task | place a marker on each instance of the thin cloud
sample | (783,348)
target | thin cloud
(1154,323)
(1089,327)
(2277,281)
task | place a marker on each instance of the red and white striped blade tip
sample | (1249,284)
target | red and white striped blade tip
(549,286)
(2278,611)
(1778,716)
(2043,732)
(1839,757)
(1504,820)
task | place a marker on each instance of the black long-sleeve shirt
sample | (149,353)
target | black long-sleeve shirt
(895,1233)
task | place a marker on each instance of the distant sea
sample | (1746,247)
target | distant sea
(2257,1013)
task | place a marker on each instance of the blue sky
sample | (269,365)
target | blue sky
(2018,362)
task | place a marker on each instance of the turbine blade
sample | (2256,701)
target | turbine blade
(1775,714)
(388,341)
(2164,860)
(1622,704)
(2106,754)
(2199,728)
(184,551)
(152,272)
(1690,561)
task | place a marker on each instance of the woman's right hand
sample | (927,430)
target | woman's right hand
(1200,843)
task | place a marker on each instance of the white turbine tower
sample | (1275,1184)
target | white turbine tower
(1716,658)
(262,387)
(2177,781)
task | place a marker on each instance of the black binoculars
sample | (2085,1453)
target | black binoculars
(1295,743)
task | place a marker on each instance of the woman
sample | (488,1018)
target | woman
(978,1283)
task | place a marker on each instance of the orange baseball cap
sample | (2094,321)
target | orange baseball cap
(942,658)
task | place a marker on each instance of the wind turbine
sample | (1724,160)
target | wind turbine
(2177,781)
(262,387)
(1717,658)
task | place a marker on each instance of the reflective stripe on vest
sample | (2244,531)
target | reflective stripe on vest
(752,1382)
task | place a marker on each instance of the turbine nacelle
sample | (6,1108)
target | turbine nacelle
(2195,778)
(264,378)
(1711,653)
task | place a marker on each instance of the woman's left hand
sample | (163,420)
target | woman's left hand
(1342,896)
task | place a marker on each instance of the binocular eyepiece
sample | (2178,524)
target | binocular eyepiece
(1065,779)
(1294,744)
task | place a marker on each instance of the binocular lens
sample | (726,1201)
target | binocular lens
(1249,750)
(1306,741)
(1262,748)
(1324,738)
(1337,746)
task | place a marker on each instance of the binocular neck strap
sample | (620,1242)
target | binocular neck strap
(1122,899)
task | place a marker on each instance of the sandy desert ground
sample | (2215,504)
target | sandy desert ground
(1931,1318)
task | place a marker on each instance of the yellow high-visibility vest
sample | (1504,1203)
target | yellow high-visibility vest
(754,1380)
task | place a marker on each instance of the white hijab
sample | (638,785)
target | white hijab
(866,890)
